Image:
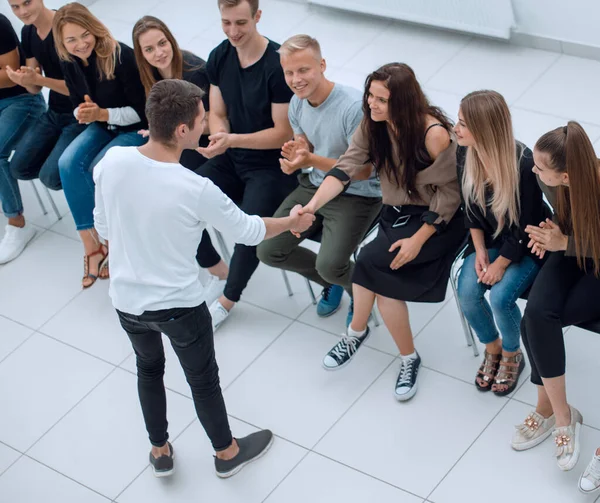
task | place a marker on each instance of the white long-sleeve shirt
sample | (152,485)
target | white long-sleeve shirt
(153,214)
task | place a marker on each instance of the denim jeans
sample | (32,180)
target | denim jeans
(17,114)
(77,162)
(37,154)
(517,278)
(190,333)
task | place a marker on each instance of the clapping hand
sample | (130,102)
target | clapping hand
(24,76)
(90,112)
(546,237)
(295,155)
(144,133)
(302,220)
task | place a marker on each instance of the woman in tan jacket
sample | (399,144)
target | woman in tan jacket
(409,144)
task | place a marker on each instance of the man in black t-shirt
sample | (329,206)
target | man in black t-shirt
(248,121)
(18,110)
(36,155)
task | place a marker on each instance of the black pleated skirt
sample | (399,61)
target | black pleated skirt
(425,279)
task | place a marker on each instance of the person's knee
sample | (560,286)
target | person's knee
(269,254)
(502,299)
(331,269)
(537,311)
(150,369)
(469,292)
(51,179)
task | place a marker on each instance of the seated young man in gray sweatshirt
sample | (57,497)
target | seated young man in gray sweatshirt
(153,211)
(324,116)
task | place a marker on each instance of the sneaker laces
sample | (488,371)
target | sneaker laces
(406,371)
(346,347)
(325,293)
(593,469)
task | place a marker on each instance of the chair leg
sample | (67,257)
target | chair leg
(39,199)
(468,332)
(375,317)
(52,203)
(286,280)
(224,250)
(311,292)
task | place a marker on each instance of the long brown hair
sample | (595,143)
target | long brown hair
(107,49)
(407,107)
(488,119)
(578,205)
(147,71)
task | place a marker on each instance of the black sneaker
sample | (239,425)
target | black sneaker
(163,466)
(251,447)
(343,351)
(406,384)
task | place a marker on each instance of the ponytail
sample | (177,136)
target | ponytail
(578,206)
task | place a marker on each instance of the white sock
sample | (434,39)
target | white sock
(412,356)
(356,333)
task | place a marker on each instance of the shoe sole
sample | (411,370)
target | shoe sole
(331,313)
(349,359)
(532,443)
(231,473)
(582,490)
(406,396)
(576,451)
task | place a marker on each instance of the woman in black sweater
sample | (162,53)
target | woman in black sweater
(107,93)
(501,197)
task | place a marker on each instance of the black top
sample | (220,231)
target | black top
(8,43)
(194,71)
(124,90)
(248,94)
(45,53)
(512,241)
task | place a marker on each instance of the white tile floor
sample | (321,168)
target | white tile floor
(70,425)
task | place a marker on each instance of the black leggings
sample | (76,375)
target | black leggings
(562,295)
(256,192)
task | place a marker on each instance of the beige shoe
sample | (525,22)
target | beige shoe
(567,442)
(533,431)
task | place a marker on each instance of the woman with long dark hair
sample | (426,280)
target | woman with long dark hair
(566,290)
(409,144)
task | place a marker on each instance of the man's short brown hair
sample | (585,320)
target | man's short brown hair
(224,4)
(171,103)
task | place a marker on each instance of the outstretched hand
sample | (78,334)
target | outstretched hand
(302,220)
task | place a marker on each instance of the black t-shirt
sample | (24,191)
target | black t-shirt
(8,43)
(248,94)
(45,53)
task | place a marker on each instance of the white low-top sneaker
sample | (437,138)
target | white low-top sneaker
(567,442)
(218,314)
(589,481)
(14,242)
(213,289)
(533,431)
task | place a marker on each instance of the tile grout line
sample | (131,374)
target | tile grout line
(540,77)
(18,346)
(448,61)
(468,448)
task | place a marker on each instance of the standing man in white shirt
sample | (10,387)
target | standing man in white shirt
(153,211)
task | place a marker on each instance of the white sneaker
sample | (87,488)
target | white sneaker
(589,481)
(14,242)
(533,431)
(213,289)
(567,442)
(218,314)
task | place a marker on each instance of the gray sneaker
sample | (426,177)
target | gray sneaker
(163,466)
(251,447)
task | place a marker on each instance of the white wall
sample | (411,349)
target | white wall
(574,21)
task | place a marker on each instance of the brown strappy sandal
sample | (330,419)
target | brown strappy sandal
(487,371)
(511,368)
(102,265)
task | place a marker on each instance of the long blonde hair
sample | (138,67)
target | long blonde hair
(107,49)
(487,117)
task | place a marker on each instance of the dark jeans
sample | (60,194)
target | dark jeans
(37,154)
(257,191)
(190,332)
(562,295)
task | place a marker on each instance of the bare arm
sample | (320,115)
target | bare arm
(10,59)
(329,189)
(56,85)
(217,119)
(270,138)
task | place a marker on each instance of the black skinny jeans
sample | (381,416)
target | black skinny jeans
(562,295)
(257,191)
(190,333)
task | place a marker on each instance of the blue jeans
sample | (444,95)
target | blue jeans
(517,278)
(37,154)
(77,162)
(17,114)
